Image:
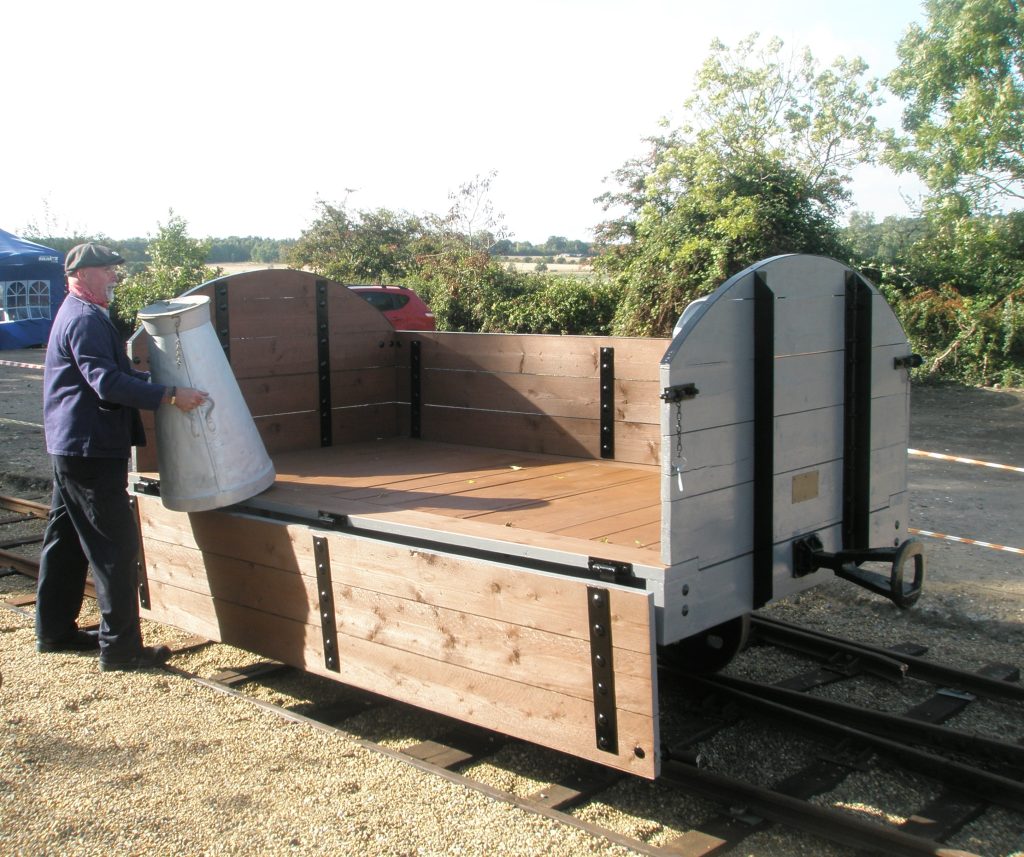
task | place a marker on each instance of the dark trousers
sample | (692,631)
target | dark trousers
(91,523)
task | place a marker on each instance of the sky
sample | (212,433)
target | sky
(239,116)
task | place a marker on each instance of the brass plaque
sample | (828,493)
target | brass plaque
(805,486)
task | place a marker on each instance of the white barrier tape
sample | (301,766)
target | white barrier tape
(20,423)
(21,365)
(965,541)
(959,460)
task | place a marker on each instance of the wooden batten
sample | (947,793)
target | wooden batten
(503,647)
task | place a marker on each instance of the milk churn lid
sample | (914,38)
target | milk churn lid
(173,307)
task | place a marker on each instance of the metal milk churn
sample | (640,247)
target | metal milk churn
(212,456)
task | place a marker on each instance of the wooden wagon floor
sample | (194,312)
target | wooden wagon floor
(600,501)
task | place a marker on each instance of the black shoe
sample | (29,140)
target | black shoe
(148,657)
(77,641)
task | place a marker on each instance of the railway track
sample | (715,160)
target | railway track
(700,805)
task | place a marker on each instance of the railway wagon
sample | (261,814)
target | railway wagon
(511,529)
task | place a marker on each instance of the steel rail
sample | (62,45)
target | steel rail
(831,824)
(28,507)
(994,788)
(884,724)
(791,636)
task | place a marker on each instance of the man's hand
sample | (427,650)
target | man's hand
(187,399)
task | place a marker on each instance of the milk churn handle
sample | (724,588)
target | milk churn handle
(209,417)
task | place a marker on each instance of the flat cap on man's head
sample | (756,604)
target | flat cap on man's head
(91,256)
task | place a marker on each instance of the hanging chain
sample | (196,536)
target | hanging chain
(178,356)
(679,430)
(680,461)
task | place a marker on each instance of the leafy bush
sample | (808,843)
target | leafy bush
(563,305)
(957,286)
(178,264)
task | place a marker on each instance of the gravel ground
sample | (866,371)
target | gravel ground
(153,763)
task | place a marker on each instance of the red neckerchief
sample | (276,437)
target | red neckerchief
(82,294)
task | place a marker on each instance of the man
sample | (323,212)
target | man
(91,397)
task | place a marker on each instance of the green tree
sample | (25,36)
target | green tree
(962,76)
(178,263)
(455,271)
(760,167)
(374,246)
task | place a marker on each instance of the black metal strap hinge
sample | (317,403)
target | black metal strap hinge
(140,557)
(415,388)
(221,317)
(323,363)
(607,381)
(679,392)
(328,624)
(606,725)
(911,361)
(764,441)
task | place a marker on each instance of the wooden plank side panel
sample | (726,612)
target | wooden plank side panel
(485,589)
(363,386)
(279,394)
(358,423)
(526,655)
(634,442)
(366,349)
(286,432)
(718,525)
(635,401)
(538,354)
(258,357)
(415,632)
(493,702)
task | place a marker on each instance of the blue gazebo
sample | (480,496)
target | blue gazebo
(31,290)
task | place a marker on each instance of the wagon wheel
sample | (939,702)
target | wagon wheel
(710,650)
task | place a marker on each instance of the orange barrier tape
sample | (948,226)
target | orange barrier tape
(964,541)
(959,460)
(21,365)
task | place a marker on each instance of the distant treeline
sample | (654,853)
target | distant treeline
(556,245)
(250,248)
(253,248)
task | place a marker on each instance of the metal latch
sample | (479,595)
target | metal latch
(911,361)
(679,392)
(147,486)
(610,570)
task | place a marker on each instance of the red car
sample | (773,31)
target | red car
(402,307)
